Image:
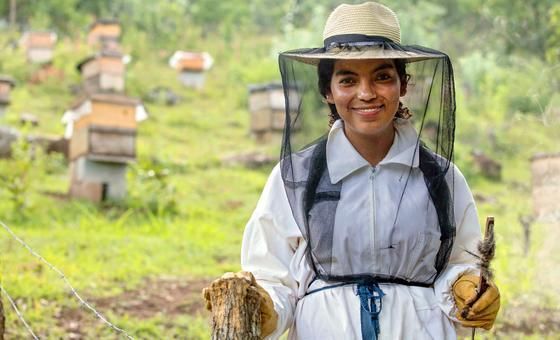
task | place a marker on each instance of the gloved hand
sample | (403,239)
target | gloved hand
(483,311)
(269,317)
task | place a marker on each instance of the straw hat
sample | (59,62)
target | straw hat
(366,31)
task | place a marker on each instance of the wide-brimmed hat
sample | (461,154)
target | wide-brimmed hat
(366,31)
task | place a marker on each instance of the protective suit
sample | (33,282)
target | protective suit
(274,249)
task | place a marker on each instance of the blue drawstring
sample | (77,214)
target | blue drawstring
(370,306)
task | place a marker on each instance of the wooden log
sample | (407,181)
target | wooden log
(235,309)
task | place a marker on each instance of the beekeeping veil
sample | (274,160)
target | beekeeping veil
(366,31)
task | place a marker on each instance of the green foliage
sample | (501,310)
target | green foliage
(20,175)
(553,41)
(152,189)
(418,22)
(296,37)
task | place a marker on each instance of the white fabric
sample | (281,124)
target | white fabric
(274,250)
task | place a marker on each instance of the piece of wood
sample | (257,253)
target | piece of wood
(235,310)
(482,282)
(486,249)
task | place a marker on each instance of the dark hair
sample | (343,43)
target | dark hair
(325,71)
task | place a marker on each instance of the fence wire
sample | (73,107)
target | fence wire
(18,313)
(82,301)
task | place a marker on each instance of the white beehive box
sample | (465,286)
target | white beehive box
(267,108)
(103,72)
(39,45)
(191,67)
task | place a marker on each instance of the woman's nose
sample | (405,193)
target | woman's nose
(366,91)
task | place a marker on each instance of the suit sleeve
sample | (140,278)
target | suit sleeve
(466,239)
(269,243)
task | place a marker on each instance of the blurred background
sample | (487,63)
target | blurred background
(136,136)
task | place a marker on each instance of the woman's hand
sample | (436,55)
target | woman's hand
(483,311)
(269,317)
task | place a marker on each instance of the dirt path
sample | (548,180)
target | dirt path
(171,297)
(517,320)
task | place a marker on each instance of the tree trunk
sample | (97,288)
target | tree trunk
(13,16)
(235,310)
(2,320)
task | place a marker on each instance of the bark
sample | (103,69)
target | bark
(235,310)
(2,321)
(13,15)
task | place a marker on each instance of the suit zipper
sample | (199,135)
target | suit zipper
(372,178)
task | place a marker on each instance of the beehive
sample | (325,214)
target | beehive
(6,85)
(267,108)
(103,72)
(191,67)
(105,32)
(105,128)
(39,46)
(102,142)
(545,170)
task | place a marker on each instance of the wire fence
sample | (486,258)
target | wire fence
(18,313)
(81,300)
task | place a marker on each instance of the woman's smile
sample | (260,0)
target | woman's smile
(368,111)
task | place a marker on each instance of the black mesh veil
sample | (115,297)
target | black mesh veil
(430,98)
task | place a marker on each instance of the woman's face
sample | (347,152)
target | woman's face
(366,94)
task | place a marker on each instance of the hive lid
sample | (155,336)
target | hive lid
(264,87)
(102,22)
(113,98)
(7,79)
(105,53)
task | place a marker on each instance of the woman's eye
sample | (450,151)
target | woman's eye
(346,81)
(383,76)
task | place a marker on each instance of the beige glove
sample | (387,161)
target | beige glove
(483,311)
(269,317)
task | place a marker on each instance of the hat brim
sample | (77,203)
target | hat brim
(312,56)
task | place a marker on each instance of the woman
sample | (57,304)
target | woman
(368,232)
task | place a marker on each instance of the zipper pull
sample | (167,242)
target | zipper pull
(373,169)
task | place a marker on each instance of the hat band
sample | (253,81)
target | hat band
(353,39)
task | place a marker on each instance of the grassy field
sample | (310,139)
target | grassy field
(143,261)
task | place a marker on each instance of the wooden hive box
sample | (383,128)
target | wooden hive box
(104,144)
(6,85)
(39,39)
(191,67)
(104,71)
(194,62)
(545,170)
(39,45)
(267,107)
(106,131)
(106,32)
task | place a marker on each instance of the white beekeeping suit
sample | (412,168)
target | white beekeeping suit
(274,250)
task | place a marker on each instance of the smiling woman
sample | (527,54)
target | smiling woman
(366,96)
(367,232)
